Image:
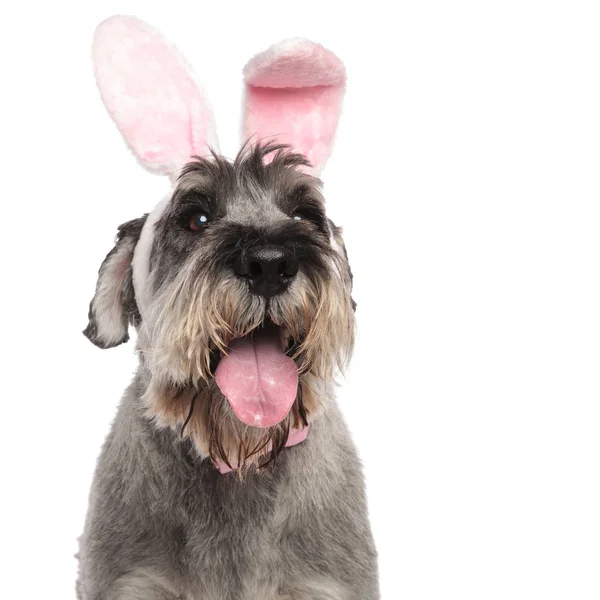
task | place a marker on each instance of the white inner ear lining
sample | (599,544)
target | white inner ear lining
(140,263)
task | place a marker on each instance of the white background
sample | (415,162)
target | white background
(466,177)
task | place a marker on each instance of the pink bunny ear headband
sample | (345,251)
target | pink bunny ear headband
(294,92)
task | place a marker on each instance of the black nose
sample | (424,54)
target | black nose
(269,269)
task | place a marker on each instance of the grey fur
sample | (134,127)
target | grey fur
(167,524)
(163,523)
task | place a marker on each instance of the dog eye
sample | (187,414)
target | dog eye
(310,216)
(197,221)
(301,215)
(307,213)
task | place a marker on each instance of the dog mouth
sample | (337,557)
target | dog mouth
(258,377)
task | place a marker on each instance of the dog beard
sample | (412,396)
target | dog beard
(192,324)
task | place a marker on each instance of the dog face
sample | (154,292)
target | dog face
(237,282)
(240,246)
(246,303)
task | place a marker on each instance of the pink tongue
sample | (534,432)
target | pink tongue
(258,379)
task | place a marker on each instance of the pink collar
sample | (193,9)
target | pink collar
(296,436)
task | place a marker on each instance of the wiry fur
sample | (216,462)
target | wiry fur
(163,523)
(199,306)
(217,432)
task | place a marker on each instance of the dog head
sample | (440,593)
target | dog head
(237,282)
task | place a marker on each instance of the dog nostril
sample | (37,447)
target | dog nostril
(255,270)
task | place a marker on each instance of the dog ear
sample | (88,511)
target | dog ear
(113,306)
(150,93)
(294,93)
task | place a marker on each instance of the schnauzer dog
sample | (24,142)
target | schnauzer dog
(229,473)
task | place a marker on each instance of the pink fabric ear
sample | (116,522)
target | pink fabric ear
(150,92)
(294,93)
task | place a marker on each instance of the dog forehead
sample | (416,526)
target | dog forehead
(255,208)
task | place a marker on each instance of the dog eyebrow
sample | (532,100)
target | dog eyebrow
(299,192)
(298,196)
(200,197)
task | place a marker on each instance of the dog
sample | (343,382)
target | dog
(228,473)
